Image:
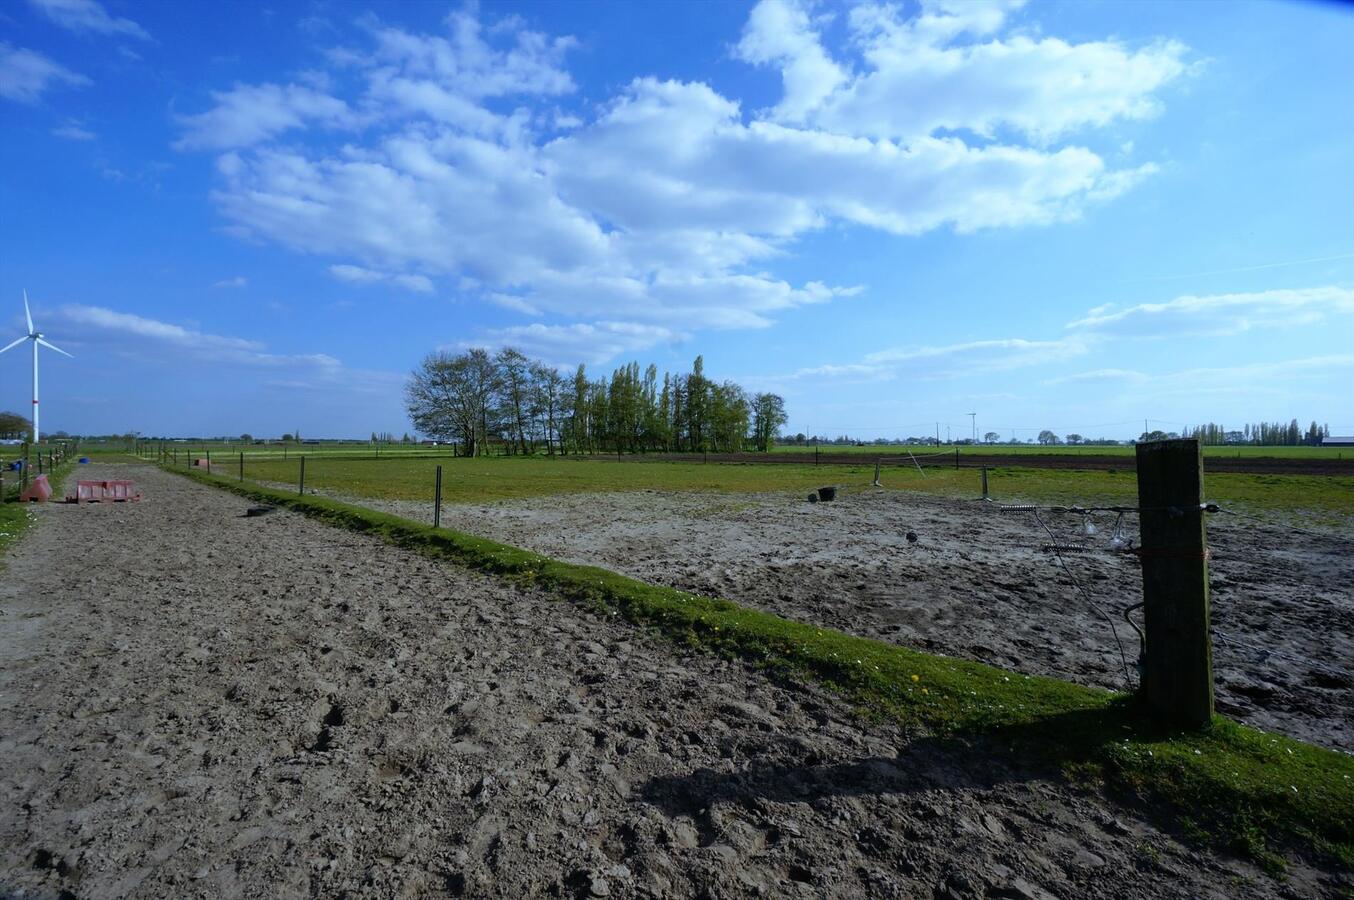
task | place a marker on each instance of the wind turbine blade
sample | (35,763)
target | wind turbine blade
(53,347)
(15,343)
(28,315)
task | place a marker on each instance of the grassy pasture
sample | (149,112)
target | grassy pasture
(1290,499)
(1126,450)
(365,450)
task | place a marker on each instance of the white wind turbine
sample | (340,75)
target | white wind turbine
(36,337)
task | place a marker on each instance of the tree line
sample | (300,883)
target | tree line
(1270,434)
(507,400)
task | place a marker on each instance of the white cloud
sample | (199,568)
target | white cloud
(113,332)
(1100,376)
(87,16)
(238,281)
(921,78)
(669,204)
(1220,314)
(420,283)
(358,275)
(248,115)
(566,345)
(74,131)
(26,74)
(780,32)
(1274,377)
(974,357)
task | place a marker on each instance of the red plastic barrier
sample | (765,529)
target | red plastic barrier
(38,491)
(101,491)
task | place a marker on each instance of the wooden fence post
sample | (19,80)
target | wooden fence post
(985,497)
(302,489)
(1177,677)
(242,465)
(209,462)
(437,499)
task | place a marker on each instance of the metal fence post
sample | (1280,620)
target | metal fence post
(437,500)
(1177,678)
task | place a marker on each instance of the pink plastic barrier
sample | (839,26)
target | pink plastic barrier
(38,491)
(101,491)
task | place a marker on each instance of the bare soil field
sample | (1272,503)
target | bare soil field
(195,703)
(975,584)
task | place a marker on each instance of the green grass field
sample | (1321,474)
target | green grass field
(222,451)
(1127,450)
(1325,501)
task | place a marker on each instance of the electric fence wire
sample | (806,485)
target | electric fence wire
(1293,528)
(1086,596)
(1174,510)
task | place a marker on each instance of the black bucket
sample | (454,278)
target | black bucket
(827,493)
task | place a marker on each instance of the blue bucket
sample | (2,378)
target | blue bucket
(84,460)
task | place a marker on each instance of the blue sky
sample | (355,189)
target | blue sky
(259,218)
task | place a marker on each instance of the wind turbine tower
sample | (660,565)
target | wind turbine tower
(36,337)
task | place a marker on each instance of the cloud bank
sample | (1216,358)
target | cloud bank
(467,155)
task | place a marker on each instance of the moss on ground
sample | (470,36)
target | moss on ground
(1260,794)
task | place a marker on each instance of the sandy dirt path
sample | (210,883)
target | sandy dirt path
(198,704)
(975,584)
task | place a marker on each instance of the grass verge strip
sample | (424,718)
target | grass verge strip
(1258,793)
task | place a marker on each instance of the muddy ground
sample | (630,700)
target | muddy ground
(194,703)
(976,583)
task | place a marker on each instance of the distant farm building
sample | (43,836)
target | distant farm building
(1346,441)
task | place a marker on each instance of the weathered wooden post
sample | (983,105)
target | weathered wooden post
(242,465)
(1177,676)
(302,489)
(437,499)
(209,462)
(985,497)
